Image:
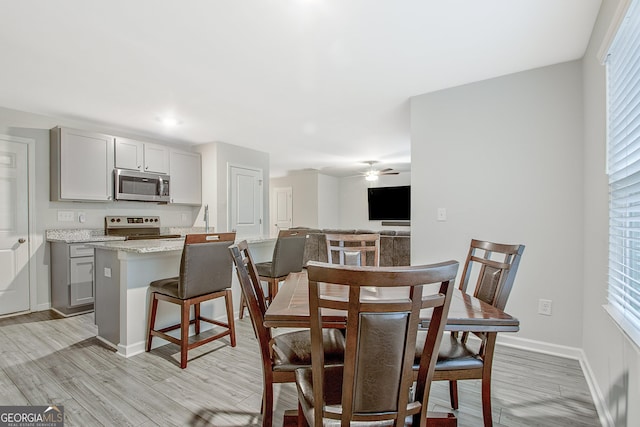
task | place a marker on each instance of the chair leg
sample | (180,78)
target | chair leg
(232,326)
(243,304)
(453,393)
(152,319)
(486,400)
(196,310)
(184,333)
(267,405)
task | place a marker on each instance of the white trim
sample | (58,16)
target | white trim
(629,330)
(598,399)
(610,35)
(31,209)
(567,352)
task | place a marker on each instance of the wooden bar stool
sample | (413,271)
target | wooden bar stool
(205,274)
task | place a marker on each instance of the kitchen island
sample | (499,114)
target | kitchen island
(123,271)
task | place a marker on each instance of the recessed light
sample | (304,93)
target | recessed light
(169,121)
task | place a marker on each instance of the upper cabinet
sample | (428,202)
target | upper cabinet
(186,177)
(141,156)
(81,165)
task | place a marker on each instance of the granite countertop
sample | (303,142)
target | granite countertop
(142,246)
(79,236)
(160,245)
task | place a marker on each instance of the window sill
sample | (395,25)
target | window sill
(630,331)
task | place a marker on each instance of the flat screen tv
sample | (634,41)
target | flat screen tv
(390,203)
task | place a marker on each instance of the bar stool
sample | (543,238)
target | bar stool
(205,274)
(288,255)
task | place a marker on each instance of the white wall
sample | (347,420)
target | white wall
(328,201)
(612,359)
(304,192)
(354,212)
(216,159)
(504,157)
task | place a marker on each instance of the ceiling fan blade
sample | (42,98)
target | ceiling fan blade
(389,173)
(385,170)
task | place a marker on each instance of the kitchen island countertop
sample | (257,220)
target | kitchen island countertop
(160,245)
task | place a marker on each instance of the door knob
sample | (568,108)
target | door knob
(21,240)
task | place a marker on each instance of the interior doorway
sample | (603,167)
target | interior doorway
(15,280)
(245,201)
(281,209)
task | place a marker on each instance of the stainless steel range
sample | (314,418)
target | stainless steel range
(135,227)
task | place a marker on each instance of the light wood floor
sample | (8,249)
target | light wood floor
(46,359)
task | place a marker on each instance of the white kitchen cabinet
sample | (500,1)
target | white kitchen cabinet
(141,156)
(72,277)
(81,165)
(185,170)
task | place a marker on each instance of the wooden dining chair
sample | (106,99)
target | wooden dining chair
(288,254)
(353,249)
(492,267)
(373,387)
(281,354)
(205,274)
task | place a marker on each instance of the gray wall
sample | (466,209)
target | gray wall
(612,358)
(504,157)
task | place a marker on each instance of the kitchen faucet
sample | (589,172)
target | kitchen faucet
(206,218)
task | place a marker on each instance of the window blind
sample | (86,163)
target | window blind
(623,92)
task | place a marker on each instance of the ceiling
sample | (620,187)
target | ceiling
(318,84)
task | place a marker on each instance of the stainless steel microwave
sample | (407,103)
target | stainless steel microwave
(141,186)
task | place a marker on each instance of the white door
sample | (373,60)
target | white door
(282,211)
(14,227)
(245,201)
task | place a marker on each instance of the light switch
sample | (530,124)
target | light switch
(66,216)
(442,214)
(107,272)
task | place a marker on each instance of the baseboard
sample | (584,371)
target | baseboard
(43,307)
(541,347)
(568,353)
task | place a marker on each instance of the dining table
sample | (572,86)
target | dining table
(290,309)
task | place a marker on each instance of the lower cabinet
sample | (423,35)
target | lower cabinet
(72,282)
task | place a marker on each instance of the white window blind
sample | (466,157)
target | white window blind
(623,71)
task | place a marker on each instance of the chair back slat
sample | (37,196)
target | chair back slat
(205,266)
(353,249)
(380,338)
(493,267)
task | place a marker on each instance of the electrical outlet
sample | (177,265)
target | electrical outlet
(544,307)
(442,214)
(107,272)
(82,217)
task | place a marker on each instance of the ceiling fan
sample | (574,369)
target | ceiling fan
(373,174)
